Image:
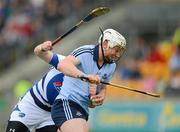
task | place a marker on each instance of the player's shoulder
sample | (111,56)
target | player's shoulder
(83,50)
(111,67)
(90,46)
(114,66)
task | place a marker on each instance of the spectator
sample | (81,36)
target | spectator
(154,55)
(140,49)
(174,61)
(52,16)
(130,69)
(173,88)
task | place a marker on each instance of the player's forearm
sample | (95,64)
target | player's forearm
(43,52)
(103,91)
(69,69)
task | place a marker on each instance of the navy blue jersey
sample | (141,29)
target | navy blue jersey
(47,88)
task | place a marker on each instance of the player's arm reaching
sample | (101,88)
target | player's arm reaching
(44,51)
(68,67)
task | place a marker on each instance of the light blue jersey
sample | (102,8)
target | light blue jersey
(77,90)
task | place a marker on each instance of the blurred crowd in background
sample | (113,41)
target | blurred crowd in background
(154,66)
(152,30)
(26,23)
(151,65)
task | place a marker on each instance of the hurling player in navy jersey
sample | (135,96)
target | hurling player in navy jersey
(32,112)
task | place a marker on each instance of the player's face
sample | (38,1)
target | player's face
(114,54)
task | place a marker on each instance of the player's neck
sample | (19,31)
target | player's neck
(100,59)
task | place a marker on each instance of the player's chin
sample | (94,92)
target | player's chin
(114,60)
(109,60)
(92,106)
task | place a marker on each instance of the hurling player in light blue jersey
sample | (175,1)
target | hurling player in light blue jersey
(95,63)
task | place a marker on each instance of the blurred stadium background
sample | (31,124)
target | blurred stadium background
(151,63)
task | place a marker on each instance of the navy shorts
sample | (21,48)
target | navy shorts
(64,110)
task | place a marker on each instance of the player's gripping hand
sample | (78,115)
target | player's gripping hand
(92,92)
(46,46)
(96,100)
(43,51)
(91,78)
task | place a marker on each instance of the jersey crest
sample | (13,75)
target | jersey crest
(104,77)
(57,86)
